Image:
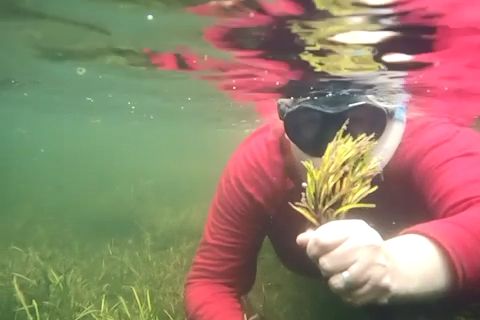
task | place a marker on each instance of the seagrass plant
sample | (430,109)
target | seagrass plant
(342,179)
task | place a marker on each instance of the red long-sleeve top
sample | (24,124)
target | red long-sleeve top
(431,187)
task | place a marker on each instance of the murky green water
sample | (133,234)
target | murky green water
(94,143)
(94,148)
(107,165)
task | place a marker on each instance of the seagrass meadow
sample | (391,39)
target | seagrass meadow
(135,279)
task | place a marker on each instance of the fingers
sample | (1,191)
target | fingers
(371,292)
(303,238)
(365,284)
(336,245)
(351,254)
(325,238)
(357,278)
(349,257)
(338,260)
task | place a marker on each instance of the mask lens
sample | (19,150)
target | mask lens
(311,130)
(366,119)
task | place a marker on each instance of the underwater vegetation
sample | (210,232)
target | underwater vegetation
(129,280)
(137,279)
(343,178)
(63,273)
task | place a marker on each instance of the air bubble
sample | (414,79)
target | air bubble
(81,71)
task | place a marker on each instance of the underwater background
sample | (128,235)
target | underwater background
(117,117)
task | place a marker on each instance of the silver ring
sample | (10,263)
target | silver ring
(346,279)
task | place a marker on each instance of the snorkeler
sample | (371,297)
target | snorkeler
(419,243)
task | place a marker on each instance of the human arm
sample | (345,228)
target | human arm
(447,175)
(406,267)
(429,259)
(225,263)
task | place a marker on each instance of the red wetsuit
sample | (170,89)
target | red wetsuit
(431,187)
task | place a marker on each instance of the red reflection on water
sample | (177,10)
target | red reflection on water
(452,83)
(250,76)
(265,54)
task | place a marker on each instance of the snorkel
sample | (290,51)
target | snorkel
(392,135)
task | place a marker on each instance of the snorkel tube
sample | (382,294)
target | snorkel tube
(389,141)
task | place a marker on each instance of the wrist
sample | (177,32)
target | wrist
(418,267)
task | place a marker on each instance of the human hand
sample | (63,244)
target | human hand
(351,255)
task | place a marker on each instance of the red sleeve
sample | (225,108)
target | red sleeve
(225,263)
(445,161)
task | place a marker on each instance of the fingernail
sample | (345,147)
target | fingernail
(337,284)
(303,238)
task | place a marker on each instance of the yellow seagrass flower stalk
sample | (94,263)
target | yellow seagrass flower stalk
(343,178)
